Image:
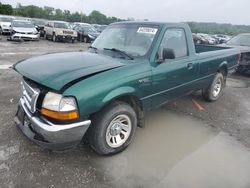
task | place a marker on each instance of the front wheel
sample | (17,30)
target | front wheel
(54,38)
(215,89)
(113,128)
(85,39)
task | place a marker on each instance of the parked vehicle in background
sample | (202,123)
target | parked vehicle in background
(208,38)
(23,18)
(222,38)
(86,33)
(23,30)
(103,93)
(75,24)
(199,39)
(99,28)
(71,25)
(242,41)
(59,31)
(5,24)
(39,24)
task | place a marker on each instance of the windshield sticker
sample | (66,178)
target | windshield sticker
(147,30)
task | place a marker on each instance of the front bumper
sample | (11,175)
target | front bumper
(66,37)
(20,36)
(47,134)
(5,29)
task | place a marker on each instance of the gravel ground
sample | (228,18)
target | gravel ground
(180,146)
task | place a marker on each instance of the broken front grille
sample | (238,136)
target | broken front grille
(30,94)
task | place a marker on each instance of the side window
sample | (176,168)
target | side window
(175,40)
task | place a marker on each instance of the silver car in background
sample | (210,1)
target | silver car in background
(23,30)
(5,24)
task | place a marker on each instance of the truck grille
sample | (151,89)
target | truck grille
(30,94)
(68,32)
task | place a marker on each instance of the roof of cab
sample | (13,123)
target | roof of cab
(152,23)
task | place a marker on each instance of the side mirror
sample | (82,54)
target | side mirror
(168,53)
(165,53)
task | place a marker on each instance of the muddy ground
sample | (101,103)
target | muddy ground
(180,146)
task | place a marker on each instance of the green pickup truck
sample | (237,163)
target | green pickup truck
(101,95)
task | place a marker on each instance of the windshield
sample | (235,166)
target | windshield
(23,24)
(133,39)
(240,40)
(61,25)
(5,19)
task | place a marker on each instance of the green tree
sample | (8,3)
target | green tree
(6,9)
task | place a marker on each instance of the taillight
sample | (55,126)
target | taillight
(238,59)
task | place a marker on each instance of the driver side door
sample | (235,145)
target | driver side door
(172,77)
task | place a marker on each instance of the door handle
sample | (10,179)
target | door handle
(190,66)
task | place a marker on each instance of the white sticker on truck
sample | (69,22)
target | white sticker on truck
(147,30)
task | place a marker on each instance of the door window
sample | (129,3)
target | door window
(175,40)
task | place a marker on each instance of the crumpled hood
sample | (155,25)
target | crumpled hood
(24,30)
(58,69)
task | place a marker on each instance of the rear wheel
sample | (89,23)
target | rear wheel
(113,128)
(215,89)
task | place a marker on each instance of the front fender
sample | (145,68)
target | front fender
(125,90)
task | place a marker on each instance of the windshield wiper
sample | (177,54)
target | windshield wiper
(119,51)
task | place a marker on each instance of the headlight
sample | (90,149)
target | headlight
(58,107)
(35,33)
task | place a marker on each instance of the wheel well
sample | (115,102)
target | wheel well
(136,104)
(223,70)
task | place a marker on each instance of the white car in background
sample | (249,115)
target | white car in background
(23,30)
(5,24)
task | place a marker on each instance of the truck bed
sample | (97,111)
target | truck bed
(209,48)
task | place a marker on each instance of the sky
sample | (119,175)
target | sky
(220,11)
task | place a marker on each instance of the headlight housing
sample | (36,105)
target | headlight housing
(59,107)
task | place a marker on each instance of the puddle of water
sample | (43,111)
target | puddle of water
(5,66)
(175,151)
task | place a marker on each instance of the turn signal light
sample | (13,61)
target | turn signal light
(60,115)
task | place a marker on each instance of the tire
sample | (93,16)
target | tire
(107,137)
(85,39)
(1,31)
(45,36)
(54,38)
(215,89)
